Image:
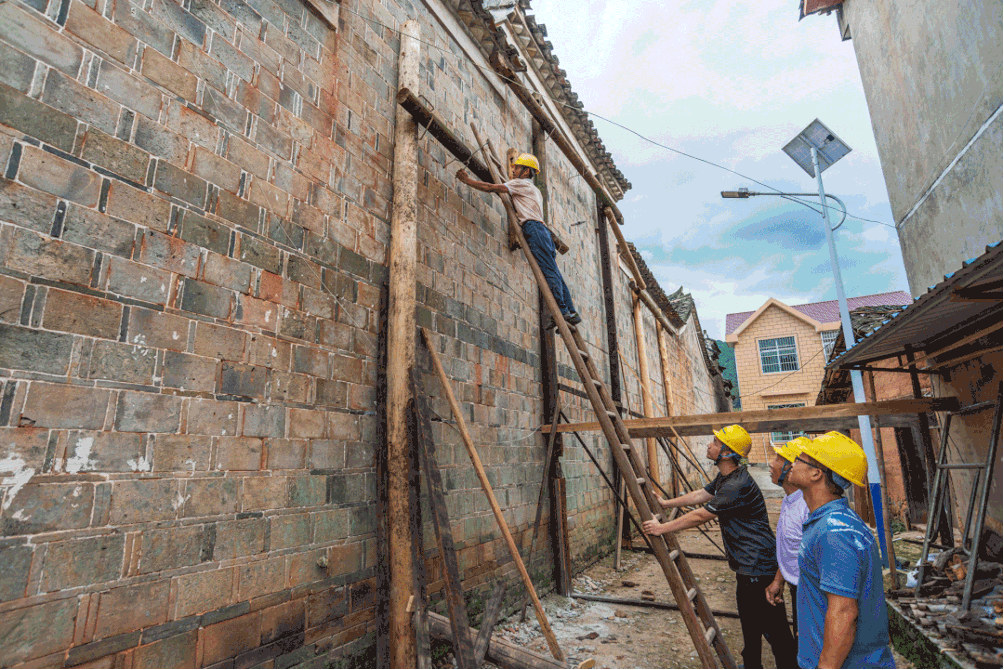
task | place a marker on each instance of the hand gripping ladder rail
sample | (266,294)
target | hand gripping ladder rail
(701,624)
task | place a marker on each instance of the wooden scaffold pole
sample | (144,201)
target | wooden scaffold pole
(401,360)
(458,416)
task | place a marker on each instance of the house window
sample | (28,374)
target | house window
(829,338)
(778,354)
(780,438)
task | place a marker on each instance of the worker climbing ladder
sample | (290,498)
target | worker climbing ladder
(701,624)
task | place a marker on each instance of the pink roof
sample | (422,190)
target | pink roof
(828,311)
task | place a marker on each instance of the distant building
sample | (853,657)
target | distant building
(781,353)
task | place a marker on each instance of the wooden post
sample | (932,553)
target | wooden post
(401,359)
(667,386)
(545,626)
(944,523)
(463,645)
(887,509)
(646,391)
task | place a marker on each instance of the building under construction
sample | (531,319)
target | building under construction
(275,385)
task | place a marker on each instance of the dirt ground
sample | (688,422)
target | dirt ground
(623,636)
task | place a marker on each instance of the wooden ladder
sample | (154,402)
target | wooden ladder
(701,624)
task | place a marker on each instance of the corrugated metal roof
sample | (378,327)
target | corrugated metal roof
(933,316)
(827,311)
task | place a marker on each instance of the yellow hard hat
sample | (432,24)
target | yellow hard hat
(790,450)
(840,454)
(527,160)
(735,438)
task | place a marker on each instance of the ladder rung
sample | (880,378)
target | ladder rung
(582,353)
(675,554)
(962,466)
(597,382)
(612,415)
(691,594)
(642,480)
(709,634)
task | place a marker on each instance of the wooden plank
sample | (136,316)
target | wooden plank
(815,418)
(540,505)
(431,122)
(502,653)
(488,621)
(422,643)
(565,587)
(545,626)
(463,647)
(648,406)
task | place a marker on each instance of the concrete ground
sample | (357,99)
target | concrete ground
(621,636)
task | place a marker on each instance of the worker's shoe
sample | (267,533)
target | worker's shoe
(572,318)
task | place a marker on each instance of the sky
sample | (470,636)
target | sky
(730,82)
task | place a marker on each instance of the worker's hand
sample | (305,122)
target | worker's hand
(652,527)
(773,593)
(662,501)
(462,175)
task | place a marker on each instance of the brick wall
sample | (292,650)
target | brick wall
(194,218)
(759,389)
(187,417)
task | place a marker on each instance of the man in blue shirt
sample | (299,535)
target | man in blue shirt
(842,617)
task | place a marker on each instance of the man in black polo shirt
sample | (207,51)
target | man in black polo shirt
(735,500)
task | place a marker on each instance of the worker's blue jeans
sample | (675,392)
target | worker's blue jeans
(539,238)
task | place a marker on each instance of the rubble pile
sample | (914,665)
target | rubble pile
(935,608)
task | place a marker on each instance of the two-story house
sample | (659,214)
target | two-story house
(781,354)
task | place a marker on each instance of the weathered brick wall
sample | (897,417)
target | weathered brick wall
(194,218)
(188,418)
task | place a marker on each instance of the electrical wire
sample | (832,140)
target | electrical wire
(603,118)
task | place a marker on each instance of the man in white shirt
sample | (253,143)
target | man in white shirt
(793,514)
(529,205)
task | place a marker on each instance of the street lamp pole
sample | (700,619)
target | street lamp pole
(864,421)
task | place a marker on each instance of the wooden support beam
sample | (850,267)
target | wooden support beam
(547,125)
(496,178)
(622,248)
(500,652)
(463,646)
(648,406)
(431,122)
(540,502)
(488,621)
(884,477)
(656,604)
(545,626)
(657,312)
(403,255)
(813,419)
